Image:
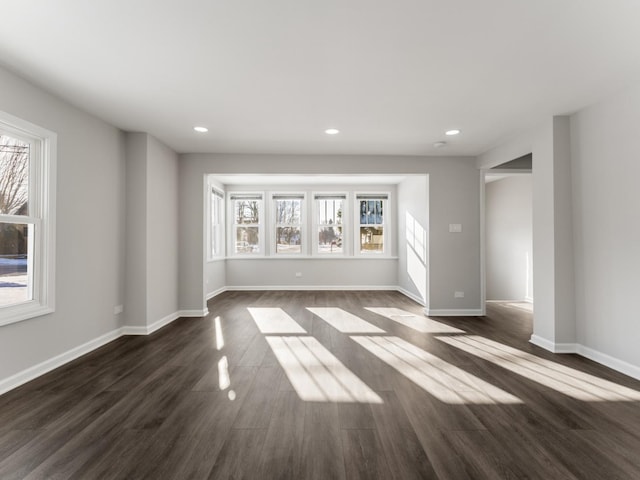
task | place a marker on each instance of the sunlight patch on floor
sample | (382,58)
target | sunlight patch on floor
(566,380)
(344,321)
(444,381)
(223,373)
(316,374)
(219,336)
(419,323)
(275,321)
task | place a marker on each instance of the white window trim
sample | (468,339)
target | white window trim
(315,224)
(211,188)
(231,240)
(386,245)
(42,194)
(274,226)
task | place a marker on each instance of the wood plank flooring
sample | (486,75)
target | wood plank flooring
(364,388)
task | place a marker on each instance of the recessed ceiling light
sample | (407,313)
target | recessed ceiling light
(332,131)
(201,129)
(455,131)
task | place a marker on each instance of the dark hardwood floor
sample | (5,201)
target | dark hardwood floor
(325,385)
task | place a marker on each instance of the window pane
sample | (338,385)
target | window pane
(330,240)
(247,211)
(288,240)
(330,212)
(371,239)
(14,263)
(247,240)
(288,211)
(371,212)
(14,176)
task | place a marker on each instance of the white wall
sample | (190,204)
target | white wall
(454,199)
(508,234)
(216,277)
(162,231)
(554,315)
(606,175)
(152,238)
(135,297)
(89,229)
(413,233)
(346,272)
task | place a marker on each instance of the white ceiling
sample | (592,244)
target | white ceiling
(271,76)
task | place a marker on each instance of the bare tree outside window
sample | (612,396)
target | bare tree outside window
(330,233)
(247,225)
(14,176)
(14,236)
(288,225)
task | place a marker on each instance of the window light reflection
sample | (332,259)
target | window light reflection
(316,374)
(344,321)
(275,321)
(223,373)
(419,323)
(566,380)
(444,381)
(219,337)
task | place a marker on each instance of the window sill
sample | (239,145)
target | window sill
(23,311)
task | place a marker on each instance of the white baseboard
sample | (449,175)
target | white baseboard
(36,371)
(528,299)
(217,292)
(132,330)
(543,343)
(552,346)
(411,295)
(242,288)
(149,329)
(193,313)
(471,312)
(598,357)
(609,361)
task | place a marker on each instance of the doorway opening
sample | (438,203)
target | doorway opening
(508,234)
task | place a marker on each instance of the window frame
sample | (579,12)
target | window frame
(215,239)
(275,196)
(316,225)
(386,246)
(231,243)
(41,214)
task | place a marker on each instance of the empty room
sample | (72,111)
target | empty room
(330,240)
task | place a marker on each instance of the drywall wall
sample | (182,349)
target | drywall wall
(455,258)
(508,234)
(152,237)
(162,231)
(554,316)
(90,221)
(216,277)
(413,221)
(135,297)
(345,272)
(607,234)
